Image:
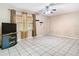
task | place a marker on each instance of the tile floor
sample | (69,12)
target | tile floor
(44,46)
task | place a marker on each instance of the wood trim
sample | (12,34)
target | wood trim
(34,25)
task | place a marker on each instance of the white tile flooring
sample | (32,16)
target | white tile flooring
(44,46)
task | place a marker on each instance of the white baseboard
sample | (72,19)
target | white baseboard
(31,37)
(63,36)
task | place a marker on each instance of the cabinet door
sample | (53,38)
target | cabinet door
(5,41)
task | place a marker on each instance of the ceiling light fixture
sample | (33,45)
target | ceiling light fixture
(48,10)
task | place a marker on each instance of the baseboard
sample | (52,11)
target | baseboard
(40,35)
(63,36)
(31,37)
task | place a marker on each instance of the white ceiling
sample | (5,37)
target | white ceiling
(66,8)
(60,7)
(30,6)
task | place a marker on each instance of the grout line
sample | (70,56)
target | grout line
(8,52)
(36,47)
(25,50)
(60,48)
(17,51)
(28,45)
(71,47)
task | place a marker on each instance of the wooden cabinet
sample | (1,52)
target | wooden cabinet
(24,34)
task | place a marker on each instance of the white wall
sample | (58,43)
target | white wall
(4,13)
(65,25)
